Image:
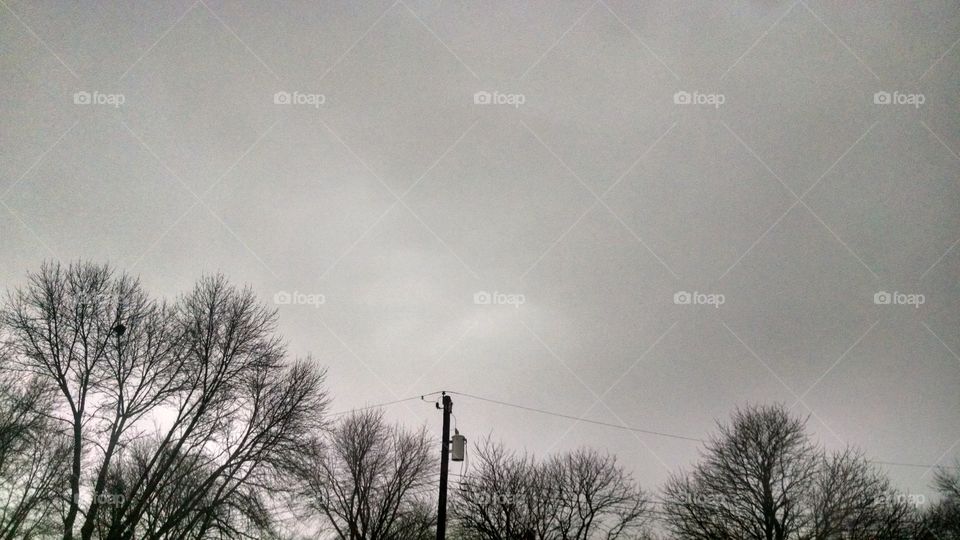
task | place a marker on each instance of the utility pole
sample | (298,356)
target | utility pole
(444,457)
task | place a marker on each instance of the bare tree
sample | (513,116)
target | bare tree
(854,500)
(752,482)
(762,478)
(597,497)
(32,460)
(941,521)
(206,377)
(370,479)
(503,497)
(574,496)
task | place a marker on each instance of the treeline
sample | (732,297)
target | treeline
(124,417)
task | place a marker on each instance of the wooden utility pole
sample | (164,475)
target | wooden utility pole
(444,458)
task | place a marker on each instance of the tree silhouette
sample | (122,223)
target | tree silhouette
(206,378)
(371,480)
(761,478)
(573,496)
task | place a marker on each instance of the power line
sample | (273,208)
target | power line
(615,426)
(659,433)
(580,419)
(384,404)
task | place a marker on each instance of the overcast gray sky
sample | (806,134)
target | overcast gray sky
(382,196)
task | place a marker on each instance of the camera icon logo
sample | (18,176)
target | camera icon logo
(81,98)
(282,298)
(482,98)
(482,298)
(682,298)
(882,98)
(281,98)
(882,298)
(682,98)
